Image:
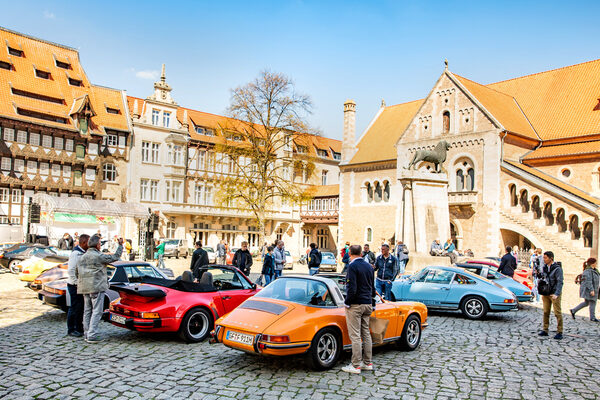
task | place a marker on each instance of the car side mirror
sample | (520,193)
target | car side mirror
(254,286)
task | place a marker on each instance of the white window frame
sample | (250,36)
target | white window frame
(47,141)
(19,165)
(16,196)
(32,167)
(22,137)
(4,195)
(155,116)
(8,134)
(34,139)
(109,172)
(166,119)
(6,164)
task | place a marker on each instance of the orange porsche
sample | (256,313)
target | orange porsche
(300,314)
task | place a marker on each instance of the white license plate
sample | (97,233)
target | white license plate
(240,337)
(118,319)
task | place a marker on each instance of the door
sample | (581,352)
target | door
(232,287)
(390,312)
(431,288)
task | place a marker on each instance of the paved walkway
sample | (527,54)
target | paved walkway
(499,358)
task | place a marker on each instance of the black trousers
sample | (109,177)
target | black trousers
(75,313)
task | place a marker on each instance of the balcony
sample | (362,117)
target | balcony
(462,198)
(319,217)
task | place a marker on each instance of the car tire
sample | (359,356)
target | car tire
(411,334)
(325,350)
(196,325)
(474,307)
(12,267)
(177,254)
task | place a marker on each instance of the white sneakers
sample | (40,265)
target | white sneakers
(351,370)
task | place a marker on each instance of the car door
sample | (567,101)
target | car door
(389,311)
(232,287)
(431,289)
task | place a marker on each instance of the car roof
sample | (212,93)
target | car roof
(457,270)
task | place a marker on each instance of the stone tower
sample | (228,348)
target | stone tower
(349,137)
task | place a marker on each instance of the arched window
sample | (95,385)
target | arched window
(513,195)
(574,227)
(109,172)
(369,189)
(560,220)
(588,234)
(465,175)
(378,192)
(386,191)
(548,216)
(369,235)
(446,122)
(535,207)
(524,201)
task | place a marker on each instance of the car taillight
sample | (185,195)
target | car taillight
(509,300)
(25,271)
(149,315)
(276,338)
(37,282)
(526,293)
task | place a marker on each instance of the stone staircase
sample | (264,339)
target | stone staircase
(570,252)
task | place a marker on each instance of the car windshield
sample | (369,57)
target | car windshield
(328,256)
(41,253)
(172,242)
(136,272)
(307,292)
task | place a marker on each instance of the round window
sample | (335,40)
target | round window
(566,173)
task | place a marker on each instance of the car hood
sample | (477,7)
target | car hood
(57,284)
(512,285)
(255,314)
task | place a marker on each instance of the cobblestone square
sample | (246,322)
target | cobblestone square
(500,357)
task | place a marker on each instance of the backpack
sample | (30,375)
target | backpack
(543,284)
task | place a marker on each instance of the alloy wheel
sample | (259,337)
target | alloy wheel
(413,332)
(474,307)
(327,348)
(198,325)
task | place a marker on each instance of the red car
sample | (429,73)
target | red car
(163,305)
(522,275)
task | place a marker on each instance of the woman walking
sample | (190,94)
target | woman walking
(588,291)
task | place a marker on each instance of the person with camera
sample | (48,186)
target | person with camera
(550,284)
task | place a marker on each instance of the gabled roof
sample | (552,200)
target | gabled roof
(378,143)
(503,107)
(559,103)
(60,95)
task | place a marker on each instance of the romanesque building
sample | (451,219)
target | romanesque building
(60,135)
(176,170)
(522,168)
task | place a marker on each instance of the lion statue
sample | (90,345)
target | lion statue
(436,157)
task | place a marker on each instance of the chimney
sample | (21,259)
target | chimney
(185,124)
(136,112)
(349,130)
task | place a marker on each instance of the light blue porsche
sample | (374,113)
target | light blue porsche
(452,288)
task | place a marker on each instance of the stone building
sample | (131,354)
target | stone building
(522,166)
(175,172)
(60,134)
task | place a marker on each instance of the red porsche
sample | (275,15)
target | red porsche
(183,306)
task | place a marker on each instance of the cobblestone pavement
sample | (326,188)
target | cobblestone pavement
(501,357)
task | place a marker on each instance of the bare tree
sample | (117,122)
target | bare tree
(257,147)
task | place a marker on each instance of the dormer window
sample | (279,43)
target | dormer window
(322,153)
(113,110)
(597,108)
(337,156)
(15,52)
(301,149)
(200,130)
(75,82)
(5,65)
(42,74)
(63,65)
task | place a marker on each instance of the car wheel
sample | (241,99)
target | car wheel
(324,350)
(196,325)
(177,254)
(12,266)
(411,334)
(474,307)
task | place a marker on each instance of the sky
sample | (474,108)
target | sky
(333,50)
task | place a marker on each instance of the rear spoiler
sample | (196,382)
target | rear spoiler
(139,290)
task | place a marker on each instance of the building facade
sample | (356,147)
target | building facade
(522,164)
(60,134)
(176,172)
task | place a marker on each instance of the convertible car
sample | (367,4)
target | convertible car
(522,292)
(522,275)
(55,293)
(30,271)
(299,314)
(53,274)
(163,305)
(453,288)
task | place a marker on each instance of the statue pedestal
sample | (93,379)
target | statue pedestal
(424,214)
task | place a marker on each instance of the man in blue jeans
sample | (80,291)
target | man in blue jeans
(75,313)
(386,266)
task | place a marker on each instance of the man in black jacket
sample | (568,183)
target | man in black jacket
(508,263)
(552,272)
(314,259)
(368,255)
(360,300)
(242,259)
(199,259)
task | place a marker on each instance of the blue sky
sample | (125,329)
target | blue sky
(334,50)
